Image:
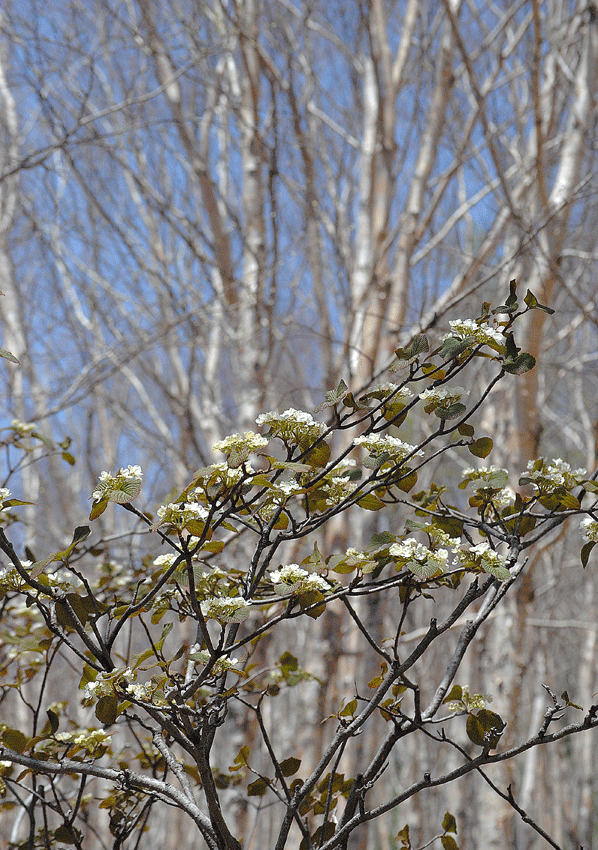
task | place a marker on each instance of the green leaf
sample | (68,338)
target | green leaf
(38,566)
(349,709)
(8,356)
(520,364)
(449,823)
(585,552)
(501,573)
(423,571)
(405,356)
(466,430)
(449,843)
(107,709)
(454,346)
(259,787)
(312,598)
(67,834)
(481,447)
(403,837)
(453,411)
(334,396)
(485,728)
(533,303)
(15,739)
(319,455)
(370,503)
(53,720)
(455,695)
(69,458)
(97,509)
(290,766)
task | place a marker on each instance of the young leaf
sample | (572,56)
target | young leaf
(8,356)
(481,447)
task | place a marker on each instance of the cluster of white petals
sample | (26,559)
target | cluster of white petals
(361,560)
(293,426)
(4,495)
(388,388)
(337,489)
(165,560)
(488,559)
(377,444)
(247,442)
(547,476)
(590,528)
(226,609)
(469,702)
(122,487)
(418,558)
(221,665)
(23,429)
(180,514)
(294,579)
(482,332)
(443,396)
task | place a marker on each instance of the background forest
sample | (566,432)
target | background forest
(213,209)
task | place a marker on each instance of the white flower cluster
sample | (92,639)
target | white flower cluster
(283,490)
(488,559)
(293,426)
(165,560)
(443,396)
(388,388)
(294,579)
(226,609)
(23,429)
(377,445)
(422,561)
(546,477)
(442,538)
(483,333)
(4,495)
(361,560)
(221,473)
(491,478)
(469,702)
(237,443)
(337,489)
(89,739)
(180,514)
(121,488)
(590,528)
(222,665)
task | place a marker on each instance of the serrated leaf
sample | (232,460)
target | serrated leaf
(290,766)
(8,356)
(586,550)
(519,365)
(482,447)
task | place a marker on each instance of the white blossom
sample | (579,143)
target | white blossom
(487,558)
(483,333)
(590,528)
(22,428)
(443,396)
(121,488)
(294,579)
(248,442)
(4,495)
(377,444)
(226,609)
(422,561)
(547,476)
(180,514)
(295,426)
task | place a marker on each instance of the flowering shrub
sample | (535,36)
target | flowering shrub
(467,551)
